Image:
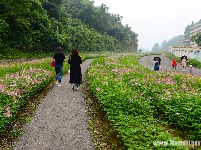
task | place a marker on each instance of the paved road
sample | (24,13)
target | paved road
(60,121)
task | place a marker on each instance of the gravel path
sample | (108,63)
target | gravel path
(60,121)
(166,64)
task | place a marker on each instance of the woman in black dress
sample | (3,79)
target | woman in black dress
(75,69)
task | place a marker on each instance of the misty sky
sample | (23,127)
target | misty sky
(155,20)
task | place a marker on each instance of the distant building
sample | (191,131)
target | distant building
(193,31)
(184,50)
(189,48)
(186,42)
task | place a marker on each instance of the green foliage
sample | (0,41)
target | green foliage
(187,32)
(197,38)
(129,94)
(102,21)
(155,48)
(32,26)
(20,81)
(164,46)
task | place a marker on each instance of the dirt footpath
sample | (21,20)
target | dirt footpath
(60,121)
(166,64)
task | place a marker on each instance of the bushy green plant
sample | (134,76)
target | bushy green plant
(127,93)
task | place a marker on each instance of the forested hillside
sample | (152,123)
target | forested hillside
(32,26)
(178,40)
(164,46)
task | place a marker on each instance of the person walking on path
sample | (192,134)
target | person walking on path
(156,64)
(147,61)
(59,59)
(183,62)
(191,67)
(75,69)
(174,64)
(159,60)
(184,56)
(60,121)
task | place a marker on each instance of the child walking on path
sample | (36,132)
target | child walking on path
(174,64)
(183,62)
(191,67)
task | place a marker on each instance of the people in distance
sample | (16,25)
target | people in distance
(174,64)
(183,62)
(159,60)
(156,64)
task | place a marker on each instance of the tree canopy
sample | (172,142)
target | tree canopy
(197,38)
(164,46)
(42,25)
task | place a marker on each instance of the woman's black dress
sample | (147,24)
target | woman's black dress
(75,69)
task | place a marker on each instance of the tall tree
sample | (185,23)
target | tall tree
(41,25)
(155,48)
(53,8)
(192,24)
(197,38)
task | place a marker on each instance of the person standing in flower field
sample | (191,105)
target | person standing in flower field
(75,69)
(59,59)
(174,64)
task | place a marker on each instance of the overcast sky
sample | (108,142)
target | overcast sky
(155,20)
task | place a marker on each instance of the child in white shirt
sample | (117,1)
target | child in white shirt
(191,67)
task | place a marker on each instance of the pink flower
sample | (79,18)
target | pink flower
(169,80)
(7,113)
(98,89)
(2,88)
(167,91)
(12,93)
(121,70)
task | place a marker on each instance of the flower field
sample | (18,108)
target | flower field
(146,107)
(20,81)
